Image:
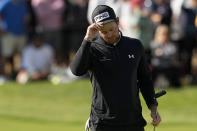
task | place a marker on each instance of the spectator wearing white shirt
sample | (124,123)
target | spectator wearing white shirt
(37,59)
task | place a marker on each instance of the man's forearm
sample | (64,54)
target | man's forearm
(81,61)
(153,109)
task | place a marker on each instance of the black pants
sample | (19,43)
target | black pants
(119,128)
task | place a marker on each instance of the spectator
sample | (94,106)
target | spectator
(49,21)
(32,24)
(164,56)
(188,17)
(37,59)
(15,17)
(189,41)
(126,18)
(75,24)
(176,31)
(194,66)
(161,12)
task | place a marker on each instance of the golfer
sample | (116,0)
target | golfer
(118,71)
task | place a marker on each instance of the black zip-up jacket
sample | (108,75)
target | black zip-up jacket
(117,74)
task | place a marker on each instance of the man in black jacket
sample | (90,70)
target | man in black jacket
(118,71)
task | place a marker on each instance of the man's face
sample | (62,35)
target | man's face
(110,32)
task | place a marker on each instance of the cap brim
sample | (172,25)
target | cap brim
(107,21)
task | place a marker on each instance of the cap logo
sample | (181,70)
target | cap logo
(101,17)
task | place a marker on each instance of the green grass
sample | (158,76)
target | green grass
(41,106)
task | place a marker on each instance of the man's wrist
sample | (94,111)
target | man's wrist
(88,39)
(153,108)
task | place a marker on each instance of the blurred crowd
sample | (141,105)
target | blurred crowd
(38,38)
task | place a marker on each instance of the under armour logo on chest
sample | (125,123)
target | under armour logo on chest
(131,56)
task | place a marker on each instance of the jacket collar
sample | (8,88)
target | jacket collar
(102,41)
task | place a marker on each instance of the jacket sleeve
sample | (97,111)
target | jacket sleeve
(81,61)
(145,82)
